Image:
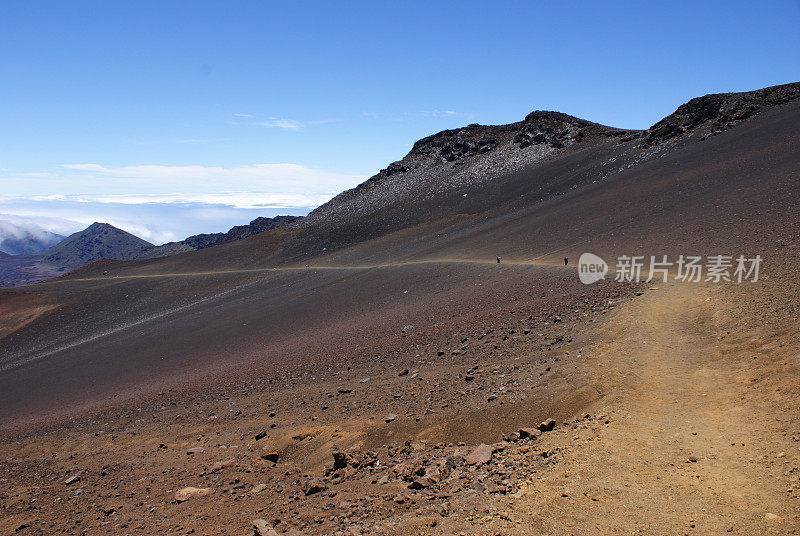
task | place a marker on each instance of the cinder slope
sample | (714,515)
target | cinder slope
(252,308)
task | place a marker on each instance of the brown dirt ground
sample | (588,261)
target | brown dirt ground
(677,414)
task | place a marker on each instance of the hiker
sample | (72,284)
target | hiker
(566,261)
(498,259)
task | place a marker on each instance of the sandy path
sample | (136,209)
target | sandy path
(690,447)
(357,267)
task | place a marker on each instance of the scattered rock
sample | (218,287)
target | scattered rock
(390,417)
(190,492)
(271,456)
(219,466)
(481,455)
(258,488)
(525,433)
(769,516)
(261,435)
(547,425)
(314,486)
(407,328)
(403,372)
(262,528)
(195,450)
(422,482)
(74,478)
(417,446)
(341,460)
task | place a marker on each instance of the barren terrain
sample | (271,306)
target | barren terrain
(374,370)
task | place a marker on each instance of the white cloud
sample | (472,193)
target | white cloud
(244,200)
(288,124)
(292,124)
(163,203)
(282,181)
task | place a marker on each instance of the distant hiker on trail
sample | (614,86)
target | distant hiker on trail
(498,259)
(566,261)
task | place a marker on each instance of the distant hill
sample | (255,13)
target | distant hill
(98,241)
(202,241)
(104,241)
(17,239)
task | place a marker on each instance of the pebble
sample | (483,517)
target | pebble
(258,488)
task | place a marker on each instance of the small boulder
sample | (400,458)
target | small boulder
(271,456)
(525,433)
(341,460)
(482,454)
(219,466)
(422,482)
(547,425)
(314,486)
(262,528)
(184,494)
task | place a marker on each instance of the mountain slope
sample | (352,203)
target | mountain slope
(98,241)
(366,353)
(410,248)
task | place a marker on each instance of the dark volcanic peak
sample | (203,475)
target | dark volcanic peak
(553,129)
(98,241)
(718,112)
(560,130)
(258,225)
(202,241)
(457,158)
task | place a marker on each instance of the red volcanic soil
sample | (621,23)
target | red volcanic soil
(340,374)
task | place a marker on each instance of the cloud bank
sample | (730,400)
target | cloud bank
(164,203)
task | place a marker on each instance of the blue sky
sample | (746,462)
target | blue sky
(172,118)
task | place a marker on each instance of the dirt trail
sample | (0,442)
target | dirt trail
(309,267)
(690,448)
